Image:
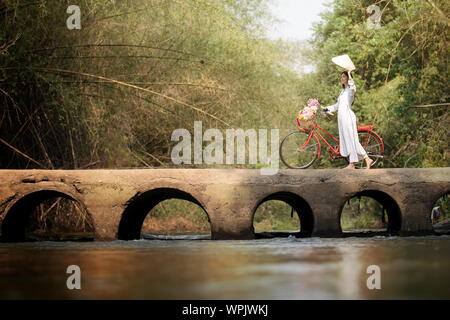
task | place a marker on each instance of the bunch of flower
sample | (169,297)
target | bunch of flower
(309,112)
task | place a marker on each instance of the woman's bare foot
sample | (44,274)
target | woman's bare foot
(368,163)
(350,166)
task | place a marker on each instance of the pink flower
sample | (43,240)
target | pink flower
(308,115)
(309,111)
(313,102)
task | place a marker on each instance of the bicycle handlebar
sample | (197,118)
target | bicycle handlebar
(325,114)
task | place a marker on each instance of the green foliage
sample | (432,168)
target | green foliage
(444,203)
(363,213)
(176,216)
(275,215)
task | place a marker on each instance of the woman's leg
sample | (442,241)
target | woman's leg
(351,165)
(353,146)
(368,162)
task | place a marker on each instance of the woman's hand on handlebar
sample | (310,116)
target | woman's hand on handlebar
(325,112)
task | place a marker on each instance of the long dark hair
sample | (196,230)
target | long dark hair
(348,77)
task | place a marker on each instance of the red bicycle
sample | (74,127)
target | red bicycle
(300,148)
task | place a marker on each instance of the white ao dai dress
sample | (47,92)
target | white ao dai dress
(348,133)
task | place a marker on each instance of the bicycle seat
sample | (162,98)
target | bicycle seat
(368,128)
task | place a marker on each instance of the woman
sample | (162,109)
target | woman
(348,133)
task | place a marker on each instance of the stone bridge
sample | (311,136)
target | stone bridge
(119,200)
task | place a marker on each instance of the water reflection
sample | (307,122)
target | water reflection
(284,268)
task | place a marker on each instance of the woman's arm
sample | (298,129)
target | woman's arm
(332,108)
(352,87)
(351,83)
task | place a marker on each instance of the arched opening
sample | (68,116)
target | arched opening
(47,215)
(370,212)
(282,214)
(157,212)
(440,215)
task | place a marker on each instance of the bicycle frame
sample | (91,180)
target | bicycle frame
(336,151)
(311,134)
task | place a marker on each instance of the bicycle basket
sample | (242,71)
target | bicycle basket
(306,124)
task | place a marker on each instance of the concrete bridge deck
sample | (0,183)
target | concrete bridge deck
(119,200)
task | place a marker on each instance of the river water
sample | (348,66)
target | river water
(280,268)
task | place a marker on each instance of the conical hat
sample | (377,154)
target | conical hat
(344,62)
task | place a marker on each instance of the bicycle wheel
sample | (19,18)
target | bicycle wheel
(373,146)
(298,150)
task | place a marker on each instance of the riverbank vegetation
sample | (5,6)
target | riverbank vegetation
(110,94)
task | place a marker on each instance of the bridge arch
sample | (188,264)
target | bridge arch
(300,206)
(390,205)
(437,197)
(141,204)
(442,203)
(15,221)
